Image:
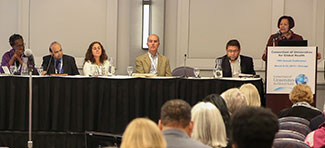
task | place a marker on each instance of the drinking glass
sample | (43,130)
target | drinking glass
(111,61)
(218,62)
(24,68)
(12,69)
(196,72)
(40,70)
(103,71)
(130,70)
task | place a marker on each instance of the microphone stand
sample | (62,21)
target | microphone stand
(30,142)
(184,67)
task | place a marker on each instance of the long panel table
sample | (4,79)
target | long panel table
(105,104)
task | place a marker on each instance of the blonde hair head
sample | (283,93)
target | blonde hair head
(234,99)
(143,133)
(251,93)
(209,127)
(301,92)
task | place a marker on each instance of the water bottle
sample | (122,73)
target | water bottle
(217,72)
(103,70)
(24,67)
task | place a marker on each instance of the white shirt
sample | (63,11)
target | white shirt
(90,69)
(235,67)
(154,63)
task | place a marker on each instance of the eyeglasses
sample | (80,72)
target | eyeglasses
(233,51)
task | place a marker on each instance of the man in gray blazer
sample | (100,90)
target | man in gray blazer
(175,122)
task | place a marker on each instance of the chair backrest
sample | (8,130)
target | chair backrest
(290,134)
(289,143)
(294,119)
(183,71)
(294,126)
(100,139)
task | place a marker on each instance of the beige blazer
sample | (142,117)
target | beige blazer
(143,65)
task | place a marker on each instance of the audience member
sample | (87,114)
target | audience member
(142,133)
(59,63)
(251,93)
(96,62)
(175,122)
(153,62)
(301,97)
(316,138)
(208,127)
(318,120)
(253,127)
(233,63)
(220,103)
(234,99)
(13,57)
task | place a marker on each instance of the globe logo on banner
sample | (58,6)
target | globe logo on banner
(301,79)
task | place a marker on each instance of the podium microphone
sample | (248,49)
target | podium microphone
(277,37)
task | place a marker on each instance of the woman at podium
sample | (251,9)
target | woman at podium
(285,24)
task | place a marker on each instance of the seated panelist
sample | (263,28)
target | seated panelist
(153,62)
(13,57)
(96,62)
(233,63)
(58,63)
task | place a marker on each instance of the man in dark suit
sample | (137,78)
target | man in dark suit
(58,63)
(176,125)
(233,63)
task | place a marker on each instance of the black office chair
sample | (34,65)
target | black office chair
(100,140)
(184,71)
(290,134)
(295,126)
(289,143)
(294,119)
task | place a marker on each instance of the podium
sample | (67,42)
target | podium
(286,67)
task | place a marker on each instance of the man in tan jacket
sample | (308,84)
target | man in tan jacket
(153,62)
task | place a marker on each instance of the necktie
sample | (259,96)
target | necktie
(58,62)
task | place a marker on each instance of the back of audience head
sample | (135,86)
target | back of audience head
(301,92)
(253,127)
(251,93)
(234,99)
(220,103)
(176,114)
(208,125)
(143,133)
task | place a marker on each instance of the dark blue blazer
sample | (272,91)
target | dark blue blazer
(69,65)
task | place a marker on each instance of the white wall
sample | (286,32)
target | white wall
(8,23)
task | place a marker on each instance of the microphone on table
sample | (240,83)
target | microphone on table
(184,68)
(29,54)
(48,64)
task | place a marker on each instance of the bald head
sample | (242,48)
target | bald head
(153,44)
